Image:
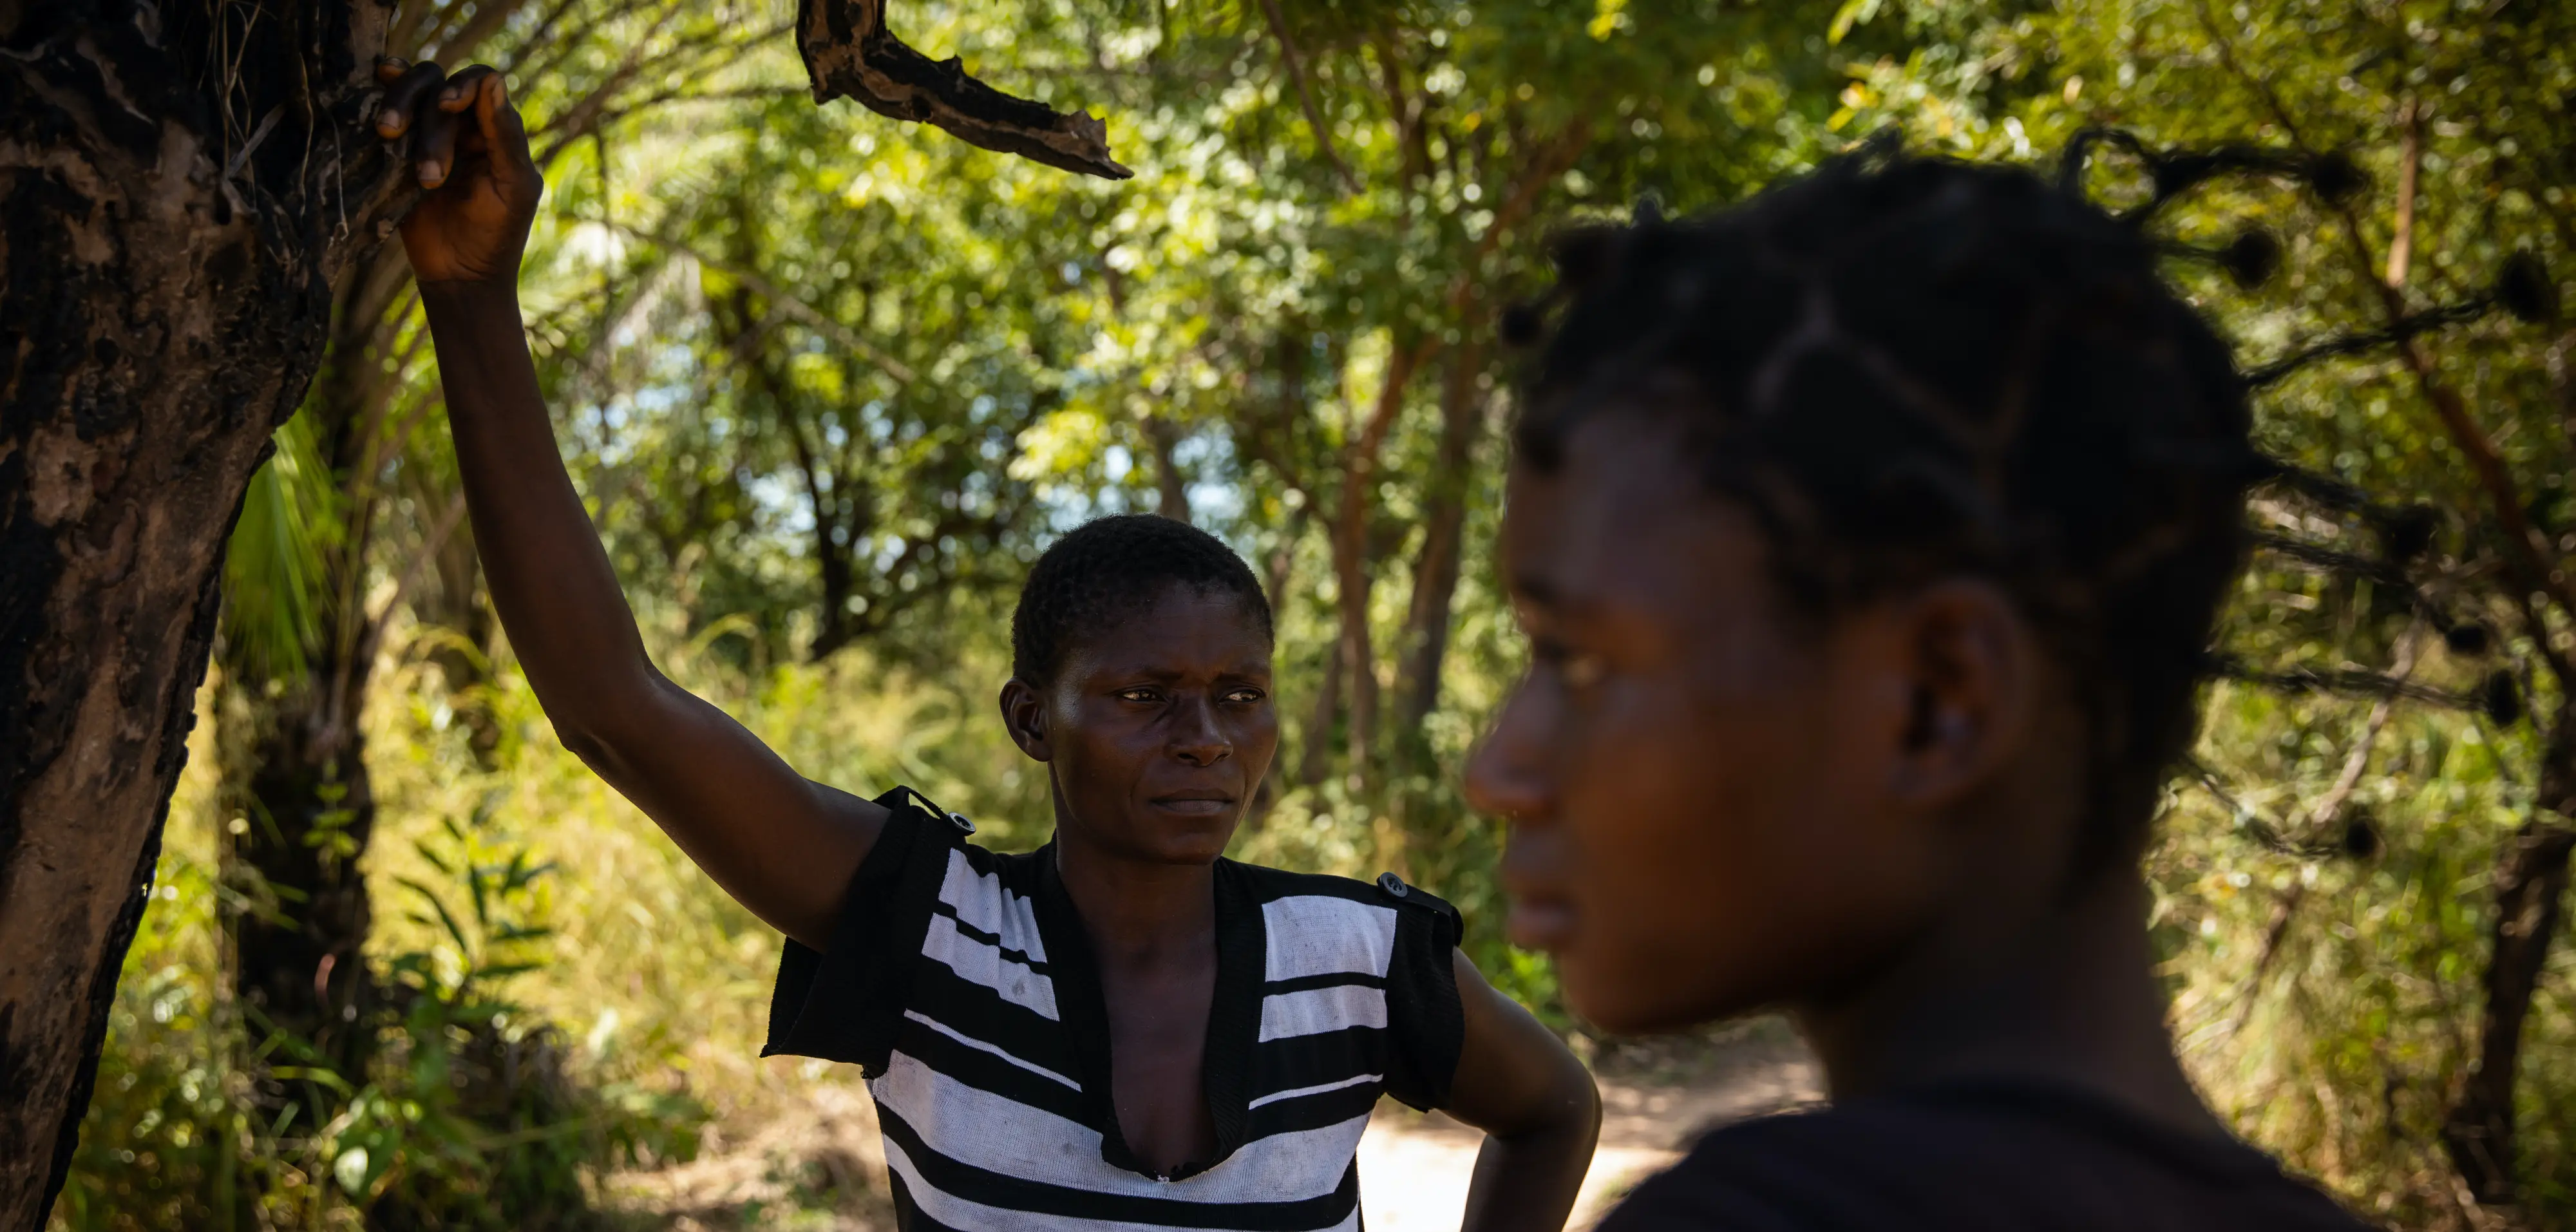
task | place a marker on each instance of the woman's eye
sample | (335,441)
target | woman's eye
(1136,695)
(1244,696)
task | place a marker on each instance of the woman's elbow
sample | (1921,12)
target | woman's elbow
(1565,1109)
(601,722)
(1580,1098)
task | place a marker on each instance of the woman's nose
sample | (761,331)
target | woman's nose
(1197,737)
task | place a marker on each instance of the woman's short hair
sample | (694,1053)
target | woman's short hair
(1105,570)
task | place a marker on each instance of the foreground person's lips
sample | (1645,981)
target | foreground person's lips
(1539,923)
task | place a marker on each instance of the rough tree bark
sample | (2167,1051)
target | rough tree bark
(180,185)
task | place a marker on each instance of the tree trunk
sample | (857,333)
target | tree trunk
(1172,489)
(2531,884)
(1435,568)
(299,961)
(1350,543)
(2530,887)
(179,186)
(1318,755)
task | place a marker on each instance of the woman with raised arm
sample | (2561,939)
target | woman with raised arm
(1121,1029)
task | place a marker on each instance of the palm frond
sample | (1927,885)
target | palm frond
(275,571)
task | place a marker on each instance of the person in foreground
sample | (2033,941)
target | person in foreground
(1869,539)
(1121,1029)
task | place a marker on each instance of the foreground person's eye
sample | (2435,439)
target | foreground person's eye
(1577,669)
(1244,696)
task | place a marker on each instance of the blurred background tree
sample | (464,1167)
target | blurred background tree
(830,382)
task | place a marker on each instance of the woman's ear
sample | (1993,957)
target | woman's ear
(1024,713)
(1973,665)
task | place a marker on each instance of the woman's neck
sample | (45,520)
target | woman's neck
(1137,912)
(2065,994)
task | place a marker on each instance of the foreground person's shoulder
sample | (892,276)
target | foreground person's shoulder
(2002,1160)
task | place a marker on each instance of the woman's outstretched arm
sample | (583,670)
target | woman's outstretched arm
(783,846)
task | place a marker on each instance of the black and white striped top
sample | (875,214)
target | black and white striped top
(962,983)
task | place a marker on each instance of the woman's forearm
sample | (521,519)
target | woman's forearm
(550,580)
(1527,1182)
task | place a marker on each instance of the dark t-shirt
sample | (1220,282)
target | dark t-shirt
(1987,1155)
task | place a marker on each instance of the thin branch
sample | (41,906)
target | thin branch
(2410,164)
(2398,332)
(1306,96)
(2355,682)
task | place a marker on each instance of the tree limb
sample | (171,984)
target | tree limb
(1306,96)
(850,53)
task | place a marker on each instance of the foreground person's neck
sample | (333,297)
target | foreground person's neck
(2065,996)
(1137,911)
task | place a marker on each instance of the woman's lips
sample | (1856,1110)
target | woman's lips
(1194,805)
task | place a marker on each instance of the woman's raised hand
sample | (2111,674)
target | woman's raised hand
(470,151)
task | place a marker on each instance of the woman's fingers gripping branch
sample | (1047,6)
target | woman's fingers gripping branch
(469,149)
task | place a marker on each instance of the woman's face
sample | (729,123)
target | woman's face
(1157,729)
(1704,818)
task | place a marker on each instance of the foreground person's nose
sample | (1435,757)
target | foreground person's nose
(1506,775)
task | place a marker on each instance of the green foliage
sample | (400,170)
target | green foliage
(829,382)
(472,1118)
(273,567)
(2326,889)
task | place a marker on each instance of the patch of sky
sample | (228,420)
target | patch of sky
(785,506)
(1214,499)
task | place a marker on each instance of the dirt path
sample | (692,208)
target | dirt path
(1655,1099)
(816,1167)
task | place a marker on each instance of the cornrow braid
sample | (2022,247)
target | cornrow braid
(1906,368)
(1106,570)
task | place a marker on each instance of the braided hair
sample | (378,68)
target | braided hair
(1109,568)
(1906,368)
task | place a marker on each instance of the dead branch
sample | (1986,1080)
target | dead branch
(849,53)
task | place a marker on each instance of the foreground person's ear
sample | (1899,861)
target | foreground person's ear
(1024,713)
(1972,669)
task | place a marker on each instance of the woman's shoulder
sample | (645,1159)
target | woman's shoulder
(2002,1156)
(1389,892)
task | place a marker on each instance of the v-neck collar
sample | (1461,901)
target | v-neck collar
(1234,1014)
